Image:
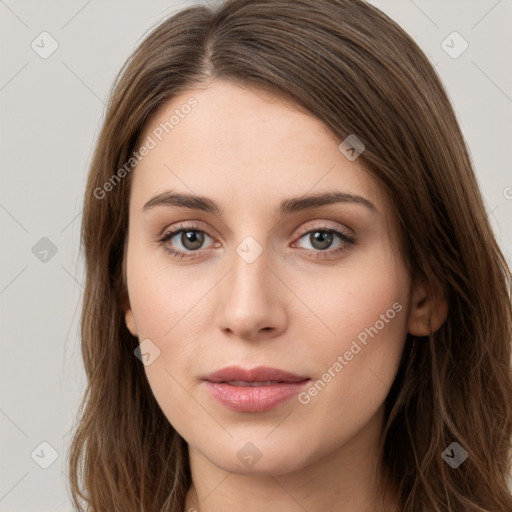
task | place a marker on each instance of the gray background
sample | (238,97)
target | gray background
(51,112)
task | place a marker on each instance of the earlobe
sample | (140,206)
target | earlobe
(125,302)
(428,310)
(130,322)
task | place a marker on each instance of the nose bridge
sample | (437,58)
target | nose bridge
(250,298)
(250,274)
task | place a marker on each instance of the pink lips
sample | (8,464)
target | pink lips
(253,390)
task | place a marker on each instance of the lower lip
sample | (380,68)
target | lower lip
(254,398)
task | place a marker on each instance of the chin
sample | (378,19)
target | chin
(258,457)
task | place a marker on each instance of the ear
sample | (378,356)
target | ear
(428,310)
(130,322)
(128,317)
(125,299)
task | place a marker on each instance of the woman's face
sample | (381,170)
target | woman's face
(262,280)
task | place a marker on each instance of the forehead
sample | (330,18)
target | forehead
(244,147)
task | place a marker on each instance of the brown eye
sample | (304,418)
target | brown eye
(184,242)
(192,240)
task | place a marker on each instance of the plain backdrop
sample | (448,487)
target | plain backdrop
(51,109)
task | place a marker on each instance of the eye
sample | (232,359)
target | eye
(184,242)
(188,241)
(322,238)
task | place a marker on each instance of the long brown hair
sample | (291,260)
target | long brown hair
(356,70)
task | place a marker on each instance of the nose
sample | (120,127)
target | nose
(252,300)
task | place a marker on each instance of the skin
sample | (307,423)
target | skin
(291,308)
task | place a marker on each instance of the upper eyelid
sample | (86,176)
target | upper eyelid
(325,226)
(194,225)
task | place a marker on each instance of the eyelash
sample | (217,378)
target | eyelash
(345,237)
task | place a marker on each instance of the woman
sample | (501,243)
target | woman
(294,299)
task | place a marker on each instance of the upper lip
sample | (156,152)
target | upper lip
(258,374)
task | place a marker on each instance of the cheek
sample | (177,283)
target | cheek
(356,363)
(170,309)
(163,298)
(347,301)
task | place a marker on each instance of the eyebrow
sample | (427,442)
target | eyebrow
(294,204)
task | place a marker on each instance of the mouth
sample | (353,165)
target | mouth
(253,390)
(260,375)
(256,383)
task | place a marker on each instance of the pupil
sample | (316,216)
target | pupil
(192,239)
(321,239)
